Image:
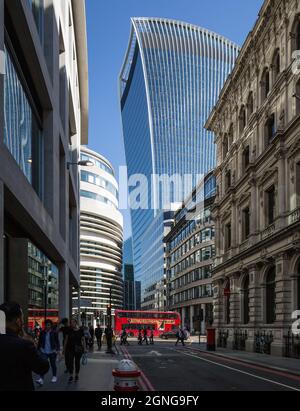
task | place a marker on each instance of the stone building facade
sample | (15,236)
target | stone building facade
(256,276)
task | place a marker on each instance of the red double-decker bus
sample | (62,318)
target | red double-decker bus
(133,321)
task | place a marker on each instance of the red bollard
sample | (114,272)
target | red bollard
(126,376)
(211,339)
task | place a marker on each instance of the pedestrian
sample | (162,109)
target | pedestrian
(145,336)
(109,341)
(98,334)
(87,336)
(124,337)
(114,342)
(92,334)
(180,337)
(19,356)
(151,337)
(140,338)
(74,348)
(63,331)
(49,347)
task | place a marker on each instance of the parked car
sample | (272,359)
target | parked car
(169,334)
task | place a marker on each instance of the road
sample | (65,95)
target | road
(169,368)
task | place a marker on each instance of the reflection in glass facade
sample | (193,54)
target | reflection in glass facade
(22,135)
(171,78)
(43,291)
(37,7)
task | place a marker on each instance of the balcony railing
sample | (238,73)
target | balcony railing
(268,232)
(294,217)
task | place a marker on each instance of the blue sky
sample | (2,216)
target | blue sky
(108,25)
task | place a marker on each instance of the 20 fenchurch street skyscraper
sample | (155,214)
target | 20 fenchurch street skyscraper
(170,80)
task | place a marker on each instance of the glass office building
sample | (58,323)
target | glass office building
(170,80)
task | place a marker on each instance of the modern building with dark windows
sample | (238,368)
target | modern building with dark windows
(101,239)
(190,250)
(132,288)
(171,78)
(43,121)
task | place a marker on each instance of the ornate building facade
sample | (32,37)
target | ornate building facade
(256,277)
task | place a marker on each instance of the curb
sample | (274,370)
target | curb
(249,362)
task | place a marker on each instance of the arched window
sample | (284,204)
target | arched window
(225,146)
(265,85)
(298,287)
(276,65)
(296,34)
(270,129)
(250,104)
(242,119)
(271,296)
(246,308)
(297,96)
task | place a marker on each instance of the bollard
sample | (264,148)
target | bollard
(126,376)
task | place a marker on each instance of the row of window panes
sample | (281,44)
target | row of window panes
(202,273)
(205,235)
(204,254)
(98,181)
(97,197)
(203,218)
(97,163)
(203,291)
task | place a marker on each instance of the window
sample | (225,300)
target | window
(265,85)
(225,146)
(250,104)
(246,223)
(22,131)
(270,129)
(242,119)
(276,65)
(298,185)
(296,34)
(246,158)
(246,308)
(271,296)
(37,7)
(230,135)
(228,236)
(297,96)
(228,180)
(271,205)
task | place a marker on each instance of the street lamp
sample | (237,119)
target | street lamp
(109,325)
(86,163)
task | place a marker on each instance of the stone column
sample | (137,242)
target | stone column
(255,305)
(218,304)
(2,273)
(192,313)
(234,224)
(234,306)
(203,323)
(183,316)
(254,209)
(281,183)
(64,291)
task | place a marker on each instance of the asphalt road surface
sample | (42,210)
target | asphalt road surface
(168,368)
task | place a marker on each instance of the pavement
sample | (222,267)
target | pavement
(165,367)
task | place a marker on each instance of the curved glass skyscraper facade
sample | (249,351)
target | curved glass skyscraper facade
(170,80)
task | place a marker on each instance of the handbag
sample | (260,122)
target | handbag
(84,359)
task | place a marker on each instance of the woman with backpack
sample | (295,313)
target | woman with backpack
(74,348)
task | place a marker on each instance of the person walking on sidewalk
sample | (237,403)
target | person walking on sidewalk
(98,334)
(151,337)
(180,337)
(145,335)
(49,347)
(140,338)
(19,356)
(62,333)
(92,334)
(74,348)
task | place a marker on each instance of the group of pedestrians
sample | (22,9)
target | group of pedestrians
(21,354)
(143,337)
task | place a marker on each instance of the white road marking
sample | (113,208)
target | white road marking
(242,372)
